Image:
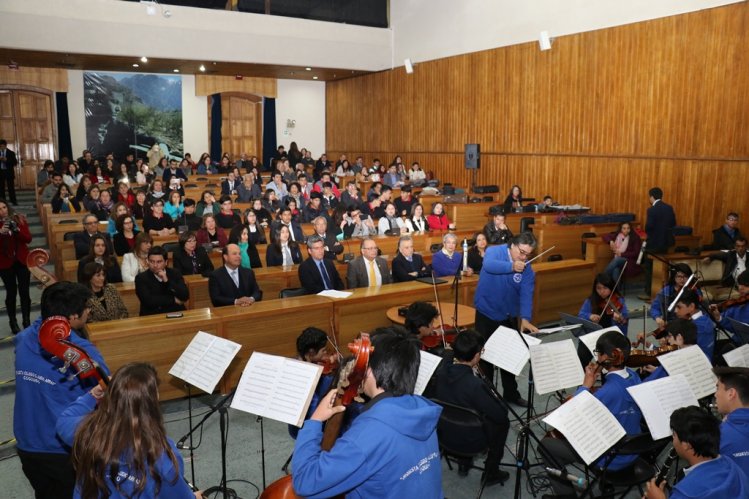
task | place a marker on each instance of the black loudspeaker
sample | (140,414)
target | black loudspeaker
(473,156)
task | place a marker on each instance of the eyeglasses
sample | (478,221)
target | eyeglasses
(91,223)
(370,248)
(523,252)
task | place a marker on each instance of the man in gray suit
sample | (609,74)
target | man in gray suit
(368,269)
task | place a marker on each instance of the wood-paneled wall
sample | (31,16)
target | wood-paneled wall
(216,84)
(599,119)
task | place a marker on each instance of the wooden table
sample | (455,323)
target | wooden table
(466,314)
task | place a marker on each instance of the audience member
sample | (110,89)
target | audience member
(725,236)
(136,261)
(318,273)
(82,240)
(447,261)
(191,258)
(156,223)
(160,289)
(101,252)
(438,220)
(240,235)
(407,265)
(232,284)
(368,270)
(332,246)
(105,303)
(282,250)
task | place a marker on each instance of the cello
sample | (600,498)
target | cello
(34,261)
(350,385)
(53,338)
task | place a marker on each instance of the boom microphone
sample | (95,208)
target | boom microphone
(577,481)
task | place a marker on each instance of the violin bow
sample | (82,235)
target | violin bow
(439,309)
(539,255)
(616,284)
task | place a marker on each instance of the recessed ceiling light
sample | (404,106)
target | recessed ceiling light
(136,65)
(202,68)
(176,70)
(314,77)
(308,69)
(144,59)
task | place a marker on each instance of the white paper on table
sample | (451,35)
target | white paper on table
(588,426)
(552,330)
(738,357)
(659,398)
(205,360)
(334,293)
(589,340)
(427,365)
(556,366)
(506,350)
(692,362)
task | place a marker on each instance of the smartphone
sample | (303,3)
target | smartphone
(174,315)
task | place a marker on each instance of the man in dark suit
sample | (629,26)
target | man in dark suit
(368,269)
(284,218)
(8,162)
(160,289)
(407,265)
(659,227)
(318,273)
(230,185)
(726,235)
(82,240)
(734,262)
(232,284)
(332,246)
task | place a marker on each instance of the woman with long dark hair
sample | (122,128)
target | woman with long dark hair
(64,202)
(615,314)
(105,303)
(99,252)
(191,258)
(14,239)
(120,433)
(283,251)
(240,235)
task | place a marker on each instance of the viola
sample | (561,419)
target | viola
(35,261)
(641,357)
(741,300)
(53,337)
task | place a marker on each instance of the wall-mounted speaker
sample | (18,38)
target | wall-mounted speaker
(473,156)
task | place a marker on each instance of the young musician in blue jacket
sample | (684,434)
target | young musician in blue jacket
(679,333)
(659,307)
(613,351)
(687,307)
(739,311)
(43,392)
(124,437)
(732,399)
(710,475)
(616,313)
(391,449)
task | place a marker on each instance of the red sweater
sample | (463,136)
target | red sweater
(440,222)
(14,246)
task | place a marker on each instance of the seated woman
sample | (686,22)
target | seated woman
(64,202)
(72,176)
(438,220)
(240,235)
(476,252)
(295,194)
(211,233)
(625,245)
(140,207)
(256,231)
(135,262)
(124,237)
(417,175)
(270,202)
(125,195)
(106,303)
(447,261)
(99,175)
(514,200)
(120,432)
(263,216)
(144,176)
(174,207)
(81,193)
(207,204)
(227,217)
(91,198)
(616,313)
(156,191)
(190,258)
(390,223)
(283,251)
(117,211)
(99,252)
(122,176)
(102,208)
(417,222)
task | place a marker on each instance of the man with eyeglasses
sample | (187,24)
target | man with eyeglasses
(725,236)
(368,270)
(318,273)
(504,297)
(82,240)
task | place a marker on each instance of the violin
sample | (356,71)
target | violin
(329,365)
(35,261)
(439,337)
(641,357)
(53,337)
(741,300)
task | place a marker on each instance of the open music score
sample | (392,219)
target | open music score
(205,360)
(556,366)
(589,340)
(427,365)
(277,388)
(658,399)
(738,357)
(588,426)
(506,350)
(694,365)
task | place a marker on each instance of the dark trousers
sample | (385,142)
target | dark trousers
(647,267)
(558,452)
(16,280)
(486,326)
(7,177)
(51,475)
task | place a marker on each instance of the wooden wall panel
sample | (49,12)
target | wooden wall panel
(52,79)
(599,119)
(211,84)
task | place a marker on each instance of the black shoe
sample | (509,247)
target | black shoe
(463,469)
(521,402)
(14,325)
(494,477)
(26,321)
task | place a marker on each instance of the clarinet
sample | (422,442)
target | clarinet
(666,467)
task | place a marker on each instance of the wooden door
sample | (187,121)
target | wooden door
(241,125)
(26,124)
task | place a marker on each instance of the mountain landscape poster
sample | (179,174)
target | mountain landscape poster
(129,112)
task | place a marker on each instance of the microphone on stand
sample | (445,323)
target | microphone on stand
(642,252)
(576,480)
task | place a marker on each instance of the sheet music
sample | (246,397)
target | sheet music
(694,365)
(659,398)
(428,364)
(205,360)
(588,426)
(556,366)
(738,357)
(506,350)
(334,293)
(277,388)
(589,340)
(552,330)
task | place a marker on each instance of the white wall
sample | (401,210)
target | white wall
(303,102)
(75,112)
(195,131)
(424,30)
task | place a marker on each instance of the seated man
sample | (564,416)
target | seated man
(329,200)
(405,202)
(368,270)
(732,399)
(725,236)
(232,284)
(354,225)
(734,261)
(51,188)
(679,333)
(82,240)
(160,289)
(285,218)
(157,223)
(710,475)
(230,185)
(407,265)
(350,197)
(318,273)
(332,246)
(391,449)
(457,384)
(314,209)
(687,307)
(613,351)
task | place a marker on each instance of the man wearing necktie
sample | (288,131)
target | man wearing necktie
(8,164)
(407,265)
(318,273)
(368,269)
(232,284)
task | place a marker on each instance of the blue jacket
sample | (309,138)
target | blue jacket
(324,384)
(444,266)
(42,392)
(660,372)
(734,438)
(173,485)
(501,293)
(720,478)
(390,451)
(614,395)
(607,321)
(738,313)
(662,300)
(705,335)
